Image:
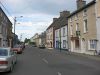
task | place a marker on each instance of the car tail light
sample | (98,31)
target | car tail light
(3,62)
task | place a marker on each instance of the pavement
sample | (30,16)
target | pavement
(95,57)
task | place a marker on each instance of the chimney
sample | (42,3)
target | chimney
(64,13)
(54,19)
(80,3)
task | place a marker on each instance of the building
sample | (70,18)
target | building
(83,28)
(97,11)
(15,39)
(35,39)
(61,31)
(43,38)
(5,30)
(9,34)
(50,36)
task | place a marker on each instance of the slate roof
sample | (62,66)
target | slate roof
(84,7)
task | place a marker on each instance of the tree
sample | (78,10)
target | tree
(27,40)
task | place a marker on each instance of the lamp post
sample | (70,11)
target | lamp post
(15,27)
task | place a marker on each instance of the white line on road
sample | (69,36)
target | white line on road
(58,73)
(45,60)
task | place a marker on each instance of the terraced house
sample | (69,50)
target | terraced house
(84,24)
(50,36)
(61,31)
(5,30)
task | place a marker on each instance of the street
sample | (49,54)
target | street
(35,61)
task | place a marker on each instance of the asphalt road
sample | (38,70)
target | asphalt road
(35,61)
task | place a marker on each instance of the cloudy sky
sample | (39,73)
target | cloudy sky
(37,14)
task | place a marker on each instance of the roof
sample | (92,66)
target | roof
(5,15)
(61,21)
(52,24)
(84,7)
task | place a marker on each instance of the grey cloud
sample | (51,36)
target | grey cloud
(52,7)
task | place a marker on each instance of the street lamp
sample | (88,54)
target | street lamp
(15,26)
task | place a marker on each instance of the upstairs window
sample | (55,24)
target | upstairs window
(85,26)
(71,19)
(71,30)
(63,31)
(85,13)
(76,17)
(77,26)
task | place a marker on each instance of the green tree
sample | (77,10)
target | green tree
(26,40)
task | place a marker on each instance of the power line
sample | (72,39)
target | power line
(6,10)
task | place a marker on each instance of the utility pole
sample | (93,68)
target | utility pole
(14,41)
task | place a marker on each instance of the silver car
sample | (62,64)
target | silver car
(7,59)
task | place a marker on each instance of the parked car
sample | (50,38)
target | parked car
(8,59)
(42,46)
(18,49)
(34,45)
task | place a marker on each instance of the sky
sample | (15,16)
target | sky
(37,14)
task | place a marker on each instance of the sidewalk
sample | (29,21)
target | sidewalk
(94,57)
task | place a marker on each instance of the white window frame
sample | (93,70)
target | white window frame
(59,33)
(64,31)
(71,30)
(56,33)
(77,26)
(71,19)
(76,17)
(85,13)
(64,43)
(92,44)
(85,26)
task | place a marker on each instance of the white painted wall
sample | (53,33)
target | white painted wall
(98,34)
(97,8)
(57,37)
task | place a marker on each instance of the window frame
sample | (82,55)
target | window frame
(85,26)
(92,44)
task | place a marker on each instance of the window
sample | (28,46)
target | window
(59,32)
(92,44)
(57,35)
(71,19)
(64,43)
(85,26)
(63,31)
(85,13)
(71,30)
(76,17)
(77,27)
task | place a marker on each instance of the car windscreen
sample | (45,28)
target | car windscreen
(3,52)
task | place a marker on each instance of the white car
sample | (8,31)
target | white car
(8,59)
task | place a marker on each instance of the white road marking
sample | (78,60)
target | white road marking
(45,60)
(58,73)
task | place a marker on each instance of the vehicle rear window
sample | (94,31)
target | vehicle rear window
(3,52)
(17,46)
